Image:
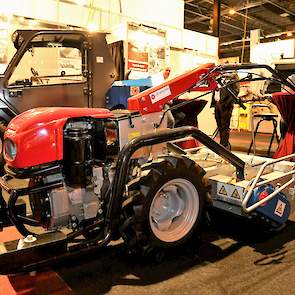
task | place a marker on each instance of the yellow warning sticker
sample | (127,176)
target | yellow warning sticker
(222,191)
(280,208)
(235,194)
(132,135)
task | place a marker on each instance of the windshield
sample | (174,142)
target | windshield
(64,65)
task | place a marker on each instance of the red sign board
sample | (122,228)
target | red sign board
(137,66)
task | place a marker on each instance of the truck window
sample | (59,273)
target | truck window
(47,65)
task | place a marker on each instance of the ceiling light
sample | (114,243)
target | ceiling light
(92,27)
(232,11)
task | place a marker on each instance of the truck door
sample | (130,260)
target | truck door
(50,73)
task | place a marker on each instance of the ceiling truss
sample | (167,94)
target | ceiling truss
(272,17)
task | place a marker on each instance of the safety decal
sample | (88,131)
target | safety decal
(222,191)
(132,135)
(280,208)
(134,90)
(235,194)
(160,94)
(99,59)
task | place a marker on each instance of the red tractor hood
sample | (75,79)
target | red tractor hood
(38,134)
(41,116)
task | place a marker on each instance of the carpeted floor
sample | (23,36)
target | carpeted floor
(232,257)
(241,140)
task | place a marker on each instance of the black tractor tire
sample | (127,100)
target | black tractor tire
(165,205)
(2,130)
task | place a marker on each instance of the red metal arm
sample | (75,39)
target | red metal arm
(153,100)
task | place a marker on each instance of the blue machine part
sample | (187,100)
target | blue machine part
(277,209)
(136,82)
(118,94)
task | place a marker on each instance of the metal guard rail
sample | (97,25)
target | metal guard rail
(257,183)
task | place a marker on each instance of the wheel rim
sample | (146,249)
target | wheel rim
(174,210)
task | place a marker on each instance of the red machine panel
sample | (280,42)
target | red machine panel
(38,134)
(153,99)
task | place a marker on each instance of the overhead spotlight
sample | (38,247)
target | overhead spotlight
(232,11)
(92,27)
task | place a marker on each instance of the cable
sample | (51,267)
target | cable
(157,125)
(268,79)
(220,87)
(180,105)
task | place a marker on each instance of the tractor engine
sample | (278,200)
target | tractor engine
(85,177)
(90,149)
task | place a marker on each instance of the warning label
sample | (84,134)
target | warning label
(134,90)
(222,191)
(280,208)
(235,194)
(132,135)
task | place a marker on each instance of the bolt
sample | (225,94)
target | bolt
(30,238)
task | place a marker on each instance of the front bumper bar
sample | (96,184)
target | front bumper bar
(18,255)
(13,211)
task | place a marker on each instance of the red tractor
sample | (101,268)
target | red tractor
(94,175)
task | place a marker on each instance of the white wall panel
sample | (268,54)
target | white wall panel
(273,49)
(106,13)
(200,42)
(168,12)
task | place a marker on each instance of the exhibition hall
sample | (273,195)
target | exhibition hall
(147,147)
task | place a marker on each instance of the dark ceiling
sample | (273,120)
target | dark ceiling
(275,18)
